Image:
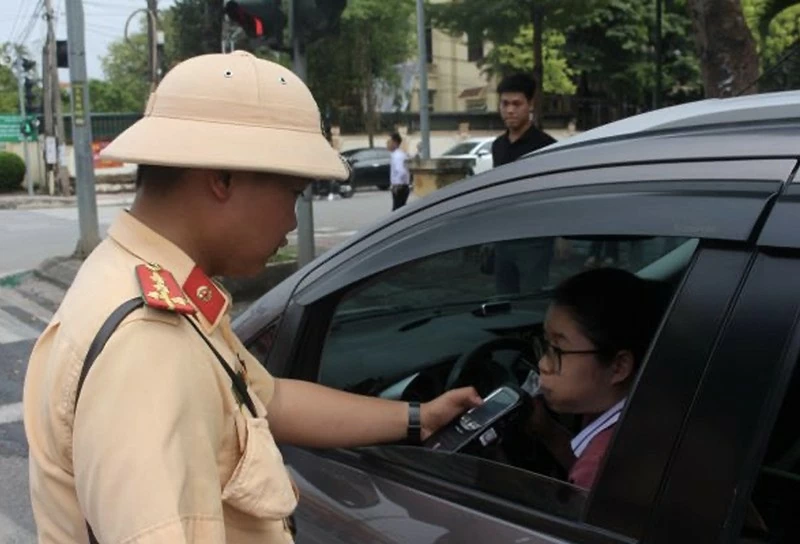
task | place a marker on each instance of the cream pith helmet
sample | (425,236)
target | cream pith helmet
(233,112)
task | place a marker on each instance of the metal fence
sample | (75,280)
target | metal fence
(586,113)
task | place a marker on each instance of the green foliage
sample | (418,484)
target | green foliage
(108,97)
(9,90)
(344,69)
(125,68)
(776,26)
(12,172)
(612,48)
(192,27)
(517,56)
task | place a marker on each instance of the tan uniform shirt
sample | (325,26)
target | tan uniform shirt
(159,449)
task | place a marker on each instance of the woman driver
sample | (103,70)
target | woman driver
(596,332)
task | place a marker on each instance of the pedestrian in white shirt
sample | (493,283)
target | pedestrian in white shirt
(399,176)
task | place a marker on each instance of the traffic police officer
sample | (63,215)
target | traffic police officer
(172,437)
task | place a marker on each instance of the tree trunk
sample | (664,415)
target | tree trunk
(537,16)
(725,46)
(369,93)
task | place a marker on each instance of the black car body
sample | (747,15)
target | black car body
(703,198)
(369,167)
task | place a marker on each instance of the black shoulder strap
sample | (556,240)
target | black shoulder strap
(101,339)
(108,328)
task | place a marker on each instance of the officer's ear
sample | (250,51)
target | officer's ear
(220,184)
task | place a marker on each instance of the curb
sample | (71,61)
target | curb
(61,271)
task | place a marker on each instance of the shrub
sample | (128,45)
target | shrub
(12,172)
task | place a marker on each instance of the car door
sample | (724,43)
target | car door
(686,223)
(483,160)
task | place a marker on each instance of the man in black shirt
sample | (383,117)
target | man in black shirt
(521,137)
(520,266)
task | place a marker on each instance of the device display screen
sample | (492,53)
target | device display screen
(493,406)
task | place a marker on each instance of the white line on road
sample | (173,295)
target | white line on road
(10,413)
(13,330)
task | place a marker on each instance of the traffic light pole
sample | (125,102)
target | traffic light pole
(81,131)
(424,111)
(305,209)
(24,115)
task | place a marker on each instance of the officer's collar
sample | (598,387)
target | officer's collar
(209,298)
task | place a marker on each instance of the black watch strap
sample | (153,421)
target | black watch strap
(414,423)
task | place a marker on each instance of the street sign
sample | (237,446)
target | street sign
(10,128)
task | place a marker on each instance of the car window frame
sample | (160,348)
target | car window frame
(758,302)
(757,192)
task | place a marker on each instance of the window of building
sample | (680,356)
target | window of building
(475,47)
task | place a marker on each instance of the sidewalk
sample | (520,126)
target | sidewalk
(23,201)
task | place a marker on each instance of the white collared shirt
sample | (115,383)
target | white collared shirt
(606,420)
(399,172)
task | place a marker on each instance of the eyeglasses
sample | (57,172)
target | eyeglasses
(547,352)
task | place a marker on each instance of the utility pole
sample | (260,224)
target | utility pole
(424,112)
(81,131)
(53,114)
(152,42)
(24,116)
(305,210)
(659,56)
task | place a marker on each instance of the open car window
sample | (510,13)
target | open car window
(398,334)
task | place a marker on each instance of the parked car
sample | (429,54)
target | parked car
(369,167)
(479,149)
(703,198)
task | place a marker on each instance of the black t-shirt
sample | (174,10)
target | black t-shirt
(504,152)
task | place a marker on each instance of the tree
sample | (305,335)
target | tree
(776,25)
(9,87)
(374,38)
(517,56)
(110,97)
(195,27)
(501,21)
(125,67)
(611,48)
(726,47)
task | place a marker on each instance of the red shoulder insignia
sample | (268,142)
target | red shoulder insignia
(160,290)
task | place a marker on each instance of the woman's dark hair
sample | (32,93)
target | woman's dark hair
(615,309)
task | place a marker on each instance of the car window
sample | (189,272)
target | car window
(773,514)
(484,147)
(398,334)
(460,149)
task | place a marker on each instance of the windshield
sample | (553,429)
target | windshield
(461,149)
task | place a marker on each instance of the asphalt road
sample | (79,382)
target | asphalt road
(27,237)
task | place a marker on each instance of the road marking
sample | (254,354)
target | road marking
(13,298)
(11,533)
(10,413)
(13,330)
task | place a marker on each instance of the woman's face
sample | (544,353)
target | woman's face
(583,385)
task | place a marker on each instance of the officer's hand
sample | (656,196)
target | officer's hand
(446,407)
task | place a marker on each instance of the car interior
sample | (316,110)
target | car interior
(413,332)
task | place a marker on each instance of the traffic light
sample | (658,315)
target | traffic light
(30,98)
(62,56)
(29,127)
(262,19)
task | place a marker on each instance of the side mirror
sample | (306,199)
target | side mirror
(483,152)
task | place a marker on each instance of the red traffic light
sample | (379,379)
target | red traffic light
(258,18)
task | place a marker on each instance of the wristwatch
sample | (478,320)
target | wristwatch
(414,423)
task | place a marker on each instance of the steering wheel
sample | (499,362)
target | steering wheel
(472,367)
